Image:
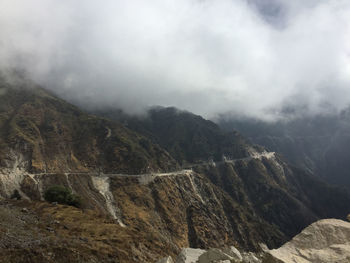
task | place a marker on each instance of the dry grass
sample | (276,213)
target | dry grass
(58,233)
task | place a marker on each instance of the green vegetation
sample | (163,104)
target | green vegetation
(62,195)
(16,195)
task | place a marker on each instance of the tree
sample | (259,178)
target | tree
(62,195)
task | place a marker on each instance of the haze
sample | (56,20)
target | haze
(253,58)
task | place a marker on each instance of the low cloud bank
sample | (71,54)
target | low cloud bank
(255,58)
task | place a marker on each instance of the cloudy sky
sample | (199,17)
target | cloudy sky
(251,57)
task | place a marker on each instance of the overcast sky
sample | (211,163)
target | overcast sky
(250,57)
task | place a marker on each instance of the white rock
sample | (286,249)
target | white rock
(250,258)
(214,255)
(264,247)
(166,260)
(322,242)
(233,252)
(189,255)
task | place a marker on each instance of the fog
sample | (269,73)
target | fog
(256,58)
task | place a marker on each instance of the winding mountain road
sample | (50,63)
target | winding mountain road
(187,171)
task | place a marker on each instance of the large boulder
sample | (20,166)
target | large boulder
(233,252)
(324,241)
(214,255)
(250,257)
(189,255)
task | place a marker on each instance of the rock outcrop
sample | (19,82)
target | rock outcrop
(325,241)
(215,255)
(322,242)
(189,255)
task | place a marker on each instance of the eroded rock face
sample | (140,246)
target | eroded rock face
(322,242)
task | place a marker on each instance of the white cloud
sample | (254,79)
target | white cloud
(204,56)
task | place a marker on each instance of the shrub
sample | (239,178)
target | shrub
(16,195)
(62,195)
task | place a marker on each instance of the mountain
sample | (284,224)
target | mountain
(187,137)
(319,144)
(148,186)
(278,193)
(44,134)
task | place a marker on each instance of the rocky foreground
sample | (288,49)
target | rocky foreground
(324,241)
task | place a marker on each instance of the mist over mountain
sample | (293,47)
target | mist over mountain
(245,57)
(317,143)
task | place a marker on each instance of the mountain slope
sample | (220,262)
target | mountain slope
(282,195)
(41,133)
(187,137)
(319,144)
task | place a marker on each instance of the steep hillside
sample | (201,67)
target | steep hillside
(282,195)
(39,232)
(41,133)
(286,197)
(187,137)
(319,144)
(144,217)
